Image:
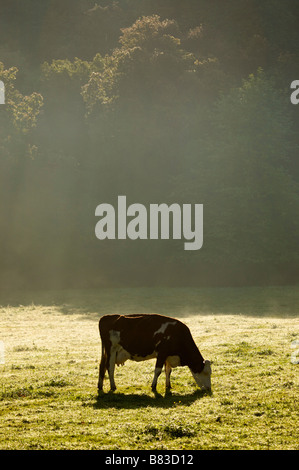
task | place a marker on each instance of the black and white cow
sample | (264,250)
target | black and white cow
(147,336)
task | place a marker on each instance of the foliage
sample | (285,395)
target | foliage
(249,165)
(19,115)
(180,101)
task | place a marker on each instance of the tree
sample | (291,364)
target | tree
(141,105)
(245,183)
(19,117)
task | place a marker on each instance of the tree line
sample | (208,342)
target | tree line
(185,102)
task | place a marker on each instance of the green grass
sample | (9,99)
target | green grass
(48,394)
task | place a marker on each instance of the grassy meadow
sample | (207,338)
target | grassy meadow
(48,383)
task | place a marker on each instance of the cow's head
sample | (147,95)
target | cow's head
(203,378)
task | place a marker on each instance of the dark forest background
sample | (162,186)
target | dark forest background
(161,101)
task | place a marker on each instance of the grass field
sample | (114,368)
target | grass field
(48,394)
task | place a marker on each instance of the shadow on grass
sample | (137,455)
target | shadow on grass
(133,401)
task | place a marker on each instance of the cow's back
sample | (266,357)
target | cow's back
(140,333)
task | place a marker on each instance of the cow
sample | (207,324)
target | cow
(146,336)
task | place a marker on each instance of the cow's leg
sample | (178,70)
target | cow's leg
(111,367)
(158,369)
(114,338)
(102,368)
(167,373)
